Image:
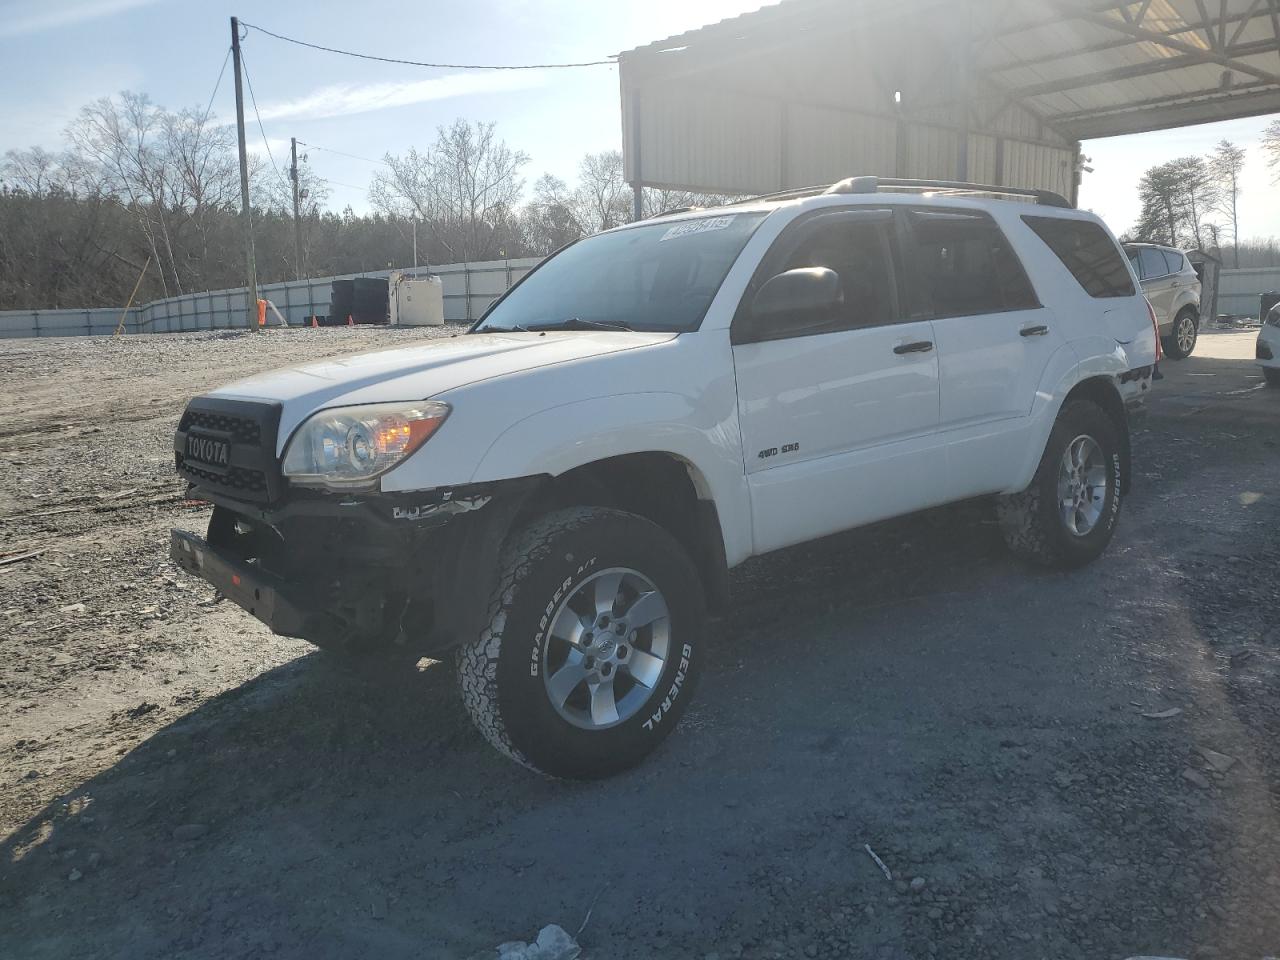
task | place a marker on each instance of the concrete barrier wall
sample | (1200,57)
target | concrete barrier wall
(469,288)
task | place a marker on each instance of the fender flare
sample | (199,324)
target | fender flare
(634,423)
(1100,373)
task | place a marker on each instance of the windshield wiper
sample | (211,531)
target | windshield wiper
(581,323)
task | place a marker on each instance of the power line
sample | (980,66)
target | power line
(339,183)
(340,153)
(439,66)
(216,86)
(261,129)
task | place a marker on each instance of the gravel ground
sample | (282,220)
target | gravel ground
(1048,765)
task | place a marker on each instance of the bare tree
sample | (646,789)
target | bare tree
(655,200)
(1199,194)
(1271,149)
(549,220)
(602,199)
(465,187)
(120,136)
(31,171)
(1226,166)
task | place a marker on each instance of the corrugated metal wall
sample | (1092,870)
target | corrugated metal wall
(697,139)
(1240,291)
(468,291)
(814,103)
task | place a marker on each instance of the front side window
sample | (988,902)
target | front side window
(964,265)
(660,276)
(856,252)
(1088,252)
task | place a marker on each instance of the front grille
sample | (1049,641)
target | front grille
(238,479)
(242,429)
(250,427)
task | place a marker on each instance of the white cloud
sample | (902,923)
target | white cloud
(344,99)
(34,17)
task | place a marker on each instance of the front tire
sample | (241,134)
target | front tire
(592,647)
(1186,331)
(1068,514)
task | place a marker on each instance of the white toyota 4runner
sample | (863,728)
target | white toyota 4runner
(561,492)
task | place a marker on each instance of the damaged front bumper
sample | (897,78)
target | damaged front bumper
(358,570)
(263,595)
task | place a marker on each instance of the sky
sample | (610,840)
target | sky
(61,54)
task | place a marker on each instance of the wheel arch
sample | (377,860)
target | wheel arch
(664,488)
(1187,301)
(1102,390)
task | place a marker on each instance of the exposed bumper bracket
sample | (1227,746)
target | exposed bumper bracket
(256,591)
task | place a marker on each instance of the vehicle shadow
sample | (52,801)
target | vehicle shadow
(317,811)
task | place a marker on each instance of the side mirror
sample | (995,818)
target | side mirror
(805,295)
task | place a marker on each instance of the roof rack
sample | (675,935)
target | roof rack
(850,185)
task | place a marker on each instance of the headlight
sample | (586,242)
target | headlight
(350,446)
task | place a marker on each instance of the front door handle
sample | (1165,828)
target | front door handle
(1037,331)
(918,346)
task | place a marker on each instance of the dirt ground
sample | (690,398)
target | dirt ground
(1049,765)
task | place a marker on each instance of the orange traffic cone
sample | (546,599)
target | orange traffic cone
(350,322)
(262,313)
(315,321)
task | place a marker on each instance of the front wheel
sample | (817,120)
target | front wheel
(1068,514)
(592,647)
(1186,331)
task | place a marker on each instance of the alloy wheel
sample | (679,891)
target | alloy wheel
(607,648)
(1082,485)
(1186,335)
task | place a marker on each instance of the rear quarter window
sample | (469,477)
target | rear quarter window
(1175,261)
(1088,252)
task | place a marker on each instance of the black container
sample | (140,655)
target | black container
(1269,300)
(370,300)
(341,300)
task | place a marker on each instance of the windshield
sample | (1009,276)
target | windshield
(660,276)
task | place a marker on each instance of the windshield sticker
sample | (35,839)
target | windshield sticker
(691,227)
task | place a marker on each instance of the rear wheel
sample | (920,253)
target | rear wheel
(1186,331)
(1068,514)
(592,647)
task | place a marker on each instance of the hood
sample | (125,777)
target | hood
(424,370)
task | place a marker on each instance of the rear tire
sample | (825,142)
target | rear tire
(1068,514)
(1186,331)
(592,646)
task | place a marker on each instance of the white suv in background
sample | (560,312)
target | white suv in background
(1172,287)
(559,495)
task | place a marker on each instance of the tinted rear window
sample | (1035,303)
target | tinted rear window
(1088,252)
(965,265)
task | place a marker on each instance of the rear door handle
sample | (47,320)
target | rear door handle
(1039,330)
(918,346)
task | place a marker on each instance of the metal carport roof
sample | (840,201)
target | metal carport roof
(1070,69)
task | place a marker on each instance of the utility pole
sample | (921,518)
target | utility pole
(246,212)
(415,243)
(297,222)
